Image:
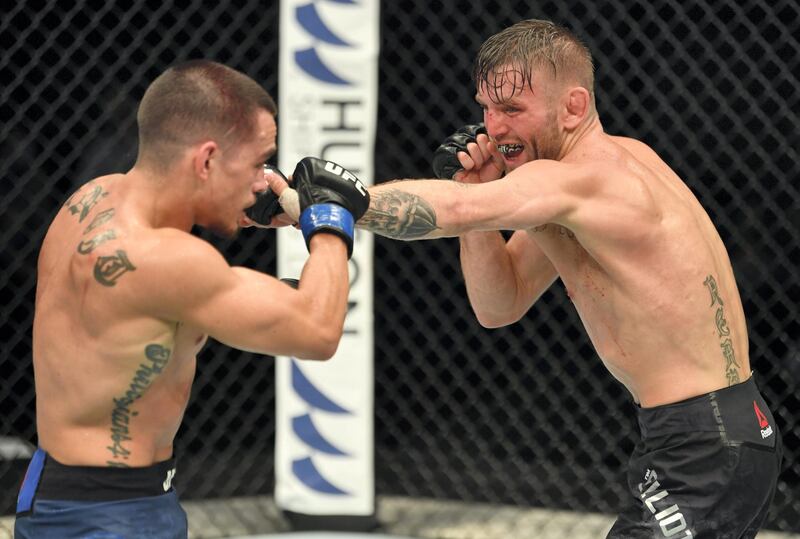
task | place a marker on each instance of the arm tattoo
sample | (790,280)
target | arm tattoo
(399,215)
(726,344)
(156,358)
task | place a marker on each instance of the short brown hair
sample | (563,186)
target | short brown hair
(196,100)
(528,45)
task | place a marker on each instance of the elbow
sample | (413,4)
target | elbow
(495,320)
(324,344)
(492,321)
(327,349)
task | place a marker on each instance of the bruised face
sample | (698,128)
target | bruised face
(239,175)
(520,117)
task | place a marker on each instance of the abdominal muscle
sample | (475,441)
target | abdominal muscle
(650,322)
(663,350)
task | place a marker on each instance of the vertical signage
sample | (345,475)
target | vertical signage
(327,108)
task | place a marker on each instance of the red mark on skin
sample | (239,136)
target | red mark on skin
(593,286)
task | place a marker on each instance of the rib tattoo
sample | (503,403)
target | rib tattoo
(157,357)
(399,215)
(724,332)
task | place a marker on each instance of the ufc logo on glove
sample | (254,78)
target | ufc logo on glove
(347,175)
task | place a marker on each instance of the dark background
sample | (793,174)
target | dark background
(525,414)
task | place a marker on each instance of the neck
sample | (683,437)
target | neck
(161,198)
(572,139)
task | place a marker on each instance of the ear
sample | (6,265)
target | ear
(575,107)
(203,158)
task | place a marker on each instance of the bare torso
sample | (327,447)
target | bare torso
(651,280)
(112,382)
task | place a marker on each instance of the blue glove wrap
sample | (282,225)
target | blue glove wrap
(330,218)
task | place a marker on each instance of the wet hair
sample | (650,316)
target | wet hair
(525,47)
(195,101)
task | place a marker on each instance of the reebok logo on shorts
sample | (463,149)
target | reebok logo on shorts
(168,481)
(763,422)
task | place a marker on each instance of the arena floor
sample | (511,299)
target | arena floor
(402,518)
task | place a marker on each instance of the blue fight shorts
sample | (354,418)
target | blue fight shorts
(63,502)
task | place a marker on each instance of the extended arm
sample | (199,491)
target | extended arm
(537,193)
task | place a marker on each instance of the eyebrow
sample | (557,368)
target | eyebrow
(508,101)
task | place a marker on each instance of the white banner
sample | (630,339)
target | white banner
(328,108)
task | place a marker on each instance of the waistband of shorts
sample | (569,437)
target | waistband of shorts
(738,412)
(103,483)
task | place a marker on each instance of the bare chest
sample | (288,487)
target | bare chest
(579,271)
(589,286)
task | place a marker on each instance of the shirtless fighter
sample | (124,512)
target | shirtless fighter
(639,257)
(126,297)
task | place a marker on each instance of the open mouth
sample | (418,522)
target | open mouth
(510,151)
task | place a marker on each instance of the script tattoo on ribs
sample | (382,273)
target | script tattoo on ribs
(156,359)
(724,332)
(399,215)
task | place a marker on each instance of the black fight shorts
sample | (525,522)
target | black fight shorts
(706,468)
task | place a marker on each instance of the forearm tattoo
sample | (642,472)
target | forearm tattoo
(156,359)
(726,344)
(399,215)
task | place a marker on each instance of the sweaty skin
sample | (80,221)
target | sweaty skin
(638,255)
(126,298)
(107,393)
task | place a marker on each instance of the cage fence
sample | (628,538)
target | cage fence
(520,417)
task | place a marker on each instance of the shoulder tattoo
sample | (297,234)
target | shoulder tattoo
(108,269)
(88,201)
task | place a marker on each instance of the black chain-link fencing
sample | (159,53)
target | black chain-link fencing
(522,415)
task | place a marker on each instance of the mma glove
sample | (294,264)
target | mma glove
(445,158)
(331,199)
(267,203)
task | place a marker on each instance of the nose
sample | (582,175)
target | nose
(260,184)
(494,122)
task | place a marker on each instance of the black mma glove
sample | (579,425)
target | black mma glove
(445,158)
(267,205)
(331,199)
